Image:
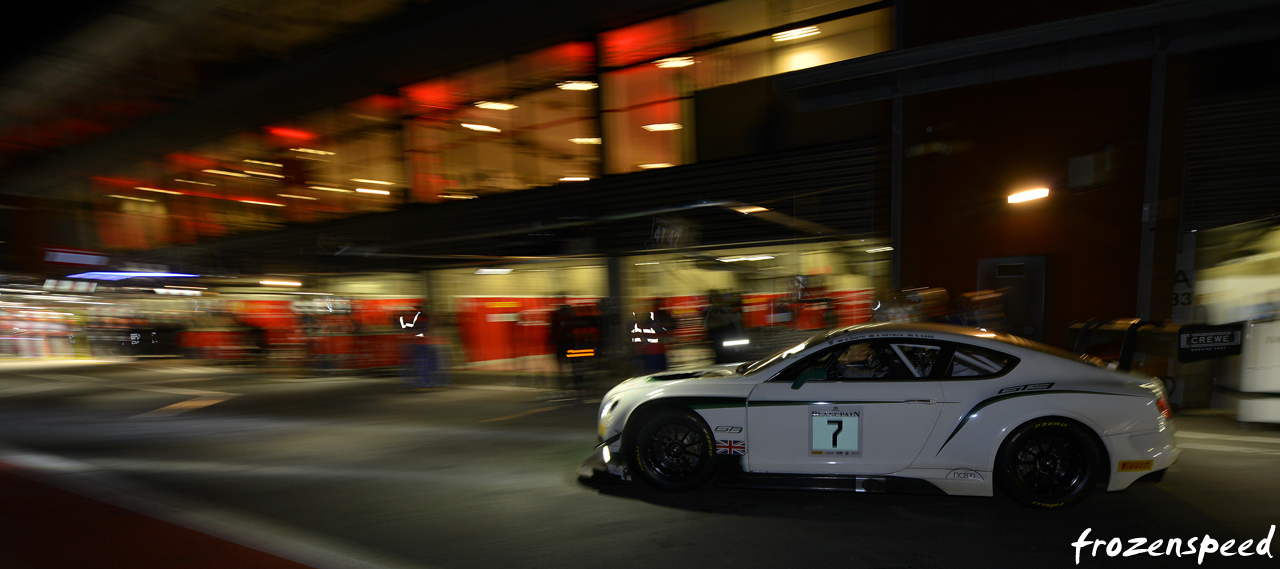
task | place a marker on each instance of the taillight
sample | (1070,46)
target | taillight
(1163,405)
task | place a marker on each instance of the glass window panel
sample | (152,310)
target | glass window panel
(838,40)
(724,20)
(459,148)
(642,42)
(975,362)
(644,118)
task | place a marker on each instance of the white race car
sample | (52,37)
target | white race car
(886,406)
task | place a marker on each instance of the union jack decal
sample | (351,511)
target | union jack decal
(731,447)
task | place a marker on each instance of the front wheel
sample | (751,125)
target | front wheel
(672,450)
(1048,463)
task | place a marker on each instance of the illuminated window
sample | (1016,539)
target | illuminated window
(644,118)
(835,40)
(651,75)
(534,139)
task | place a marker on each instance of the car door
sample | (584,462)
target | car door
(861,407)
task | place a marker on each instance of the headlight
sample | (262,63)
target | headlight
(608,407)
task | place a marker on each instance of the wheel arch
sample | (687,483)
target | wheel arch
(1090,430)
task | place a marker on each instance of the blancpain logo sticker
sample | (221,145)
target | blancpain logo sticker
(1197,547)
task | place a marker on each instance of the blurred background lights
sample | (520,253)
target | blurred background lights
(577,85)
(1028,195)
(495,106)
(796,34)
(662,126)
(674,62)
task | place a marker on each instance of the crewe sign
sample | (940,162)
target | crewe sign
(1197,343)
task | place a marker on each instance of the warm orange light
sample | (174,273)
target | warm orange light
(1029,195)
(796,34)
(293,133)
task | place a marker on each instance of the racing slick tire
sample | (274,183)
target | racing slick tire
(672,450)
(1052,462)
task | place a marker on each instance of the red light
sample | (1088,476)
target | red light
(292,133)
(1163,405)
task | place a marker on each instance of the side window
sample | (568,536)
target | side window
(822,362)
(886,360)
(919,358)
(970,361)
(869,360)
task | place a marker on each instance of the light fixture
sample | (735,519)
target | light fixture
(311,151)
(1029,195)
(740,258)
(194,182)
(130,198)
(574,179)
(796,33)
(280,283)
(577,85)
(269,175)
(172,292)
(496,106)
(258,202)
(260,162)
(750,209)
(225,173)
(458,196)
(298,197)
(647,263)
(674,62)
(121,275)
(493,271)
(157,190)
(654,165)
(328,189)
(379,182)
(480,127)
(732,343)
(585,140)
(376,192)
(659,127)
(879,249)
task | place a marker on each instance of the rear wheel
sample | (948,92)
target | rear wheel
(1048,463)
(672,450)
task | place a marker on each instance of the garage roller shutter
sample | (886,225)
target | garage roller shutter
(1232,170)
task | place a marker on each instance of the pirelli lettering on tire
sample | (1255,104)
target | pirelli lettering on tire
(1038,425)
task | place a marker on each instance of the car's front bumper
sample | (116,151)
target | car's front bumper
(605,465)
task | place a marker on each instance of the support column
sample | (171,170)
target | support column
(1151,192)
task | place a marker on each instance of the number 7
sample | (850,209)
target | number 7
(839,427)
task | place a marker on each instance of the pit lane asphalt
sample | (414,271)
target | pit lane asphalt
(352,472)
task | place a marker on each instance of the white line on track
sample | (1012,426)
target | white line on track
(1234,438)
(1225,448)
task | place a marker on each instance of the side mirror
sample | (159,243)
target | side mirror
(809,375)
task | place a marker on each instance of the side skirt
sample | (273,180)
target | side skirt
(732,477)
